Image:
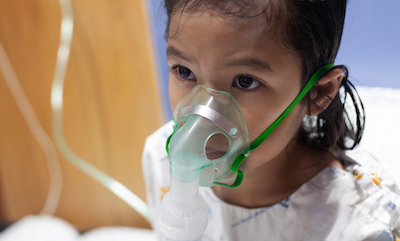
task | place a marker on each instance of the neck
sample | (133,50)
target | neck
(277,179)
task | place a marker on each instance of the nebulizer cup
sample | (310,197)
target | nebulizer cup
(209,133)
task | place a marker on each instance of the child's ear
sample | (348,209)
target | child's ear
(325,90)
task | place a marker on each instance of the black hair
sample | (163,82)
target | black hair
(313,30)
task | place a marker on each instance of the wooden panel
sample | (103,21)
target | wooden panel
(111,103)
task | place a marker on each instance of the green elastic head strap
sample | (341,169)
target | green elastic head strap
(257,142)
(313,80)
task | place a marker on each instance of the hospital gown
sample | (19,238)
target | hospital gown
(361,203)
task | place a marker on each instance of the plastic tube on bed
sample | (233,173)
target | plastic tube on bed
(57,107)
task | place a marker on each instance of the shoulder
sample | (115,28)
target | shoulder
(359,158)
(159,136)
(379,197)
(155,166)
(154,146)
(361,202)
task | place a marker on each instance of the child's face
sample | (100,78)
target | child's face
(239,57)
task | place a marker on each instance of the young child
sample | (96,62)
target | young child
(298,184)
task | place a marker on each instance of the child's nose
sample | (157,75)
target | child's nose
(217,84)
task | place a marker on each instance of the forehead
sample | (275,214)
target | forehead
(263,13)
(228,17)
(210,23)
(209,32)
(265,18)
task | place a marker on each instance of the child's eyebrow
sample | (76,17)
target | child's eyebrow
(251,62)
(175,52)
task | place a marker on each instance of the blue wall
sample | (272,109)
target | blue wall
(158,23)
(370,44)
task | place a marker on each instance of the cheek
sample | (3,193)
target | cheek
(173,95)
(263,110)
(178,89)
(287,129)
(259,115)
(276,143)
(259,118)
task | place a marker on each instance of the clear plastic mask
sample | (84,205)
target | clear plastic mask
(209,133)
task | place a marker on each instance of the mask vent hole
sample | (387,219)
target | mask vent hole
(217,146)
(181,124)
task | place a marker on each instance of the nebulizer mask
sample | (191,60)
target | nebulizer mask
(209,146)
(210,131)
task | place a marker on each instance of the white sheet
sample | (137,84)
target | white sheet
(48,228)
(382,129)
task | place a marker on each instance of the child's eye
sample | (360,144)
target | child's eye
(246,82)
(184,73)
